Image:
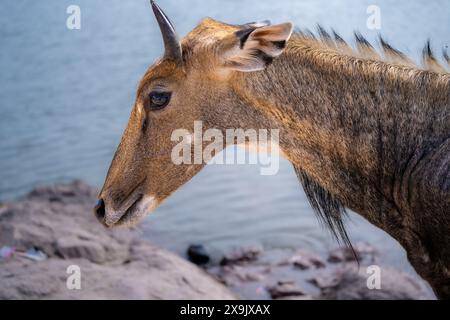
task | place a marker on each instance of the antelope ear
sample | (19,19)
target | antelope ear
(254,48)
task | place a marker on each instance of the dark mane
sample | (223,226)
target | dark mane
(365,49)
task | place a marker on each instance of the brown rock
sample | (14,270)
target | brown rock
(283,289)
(363,251)
(242,256)
(305,260)
(351,284)
(233,275)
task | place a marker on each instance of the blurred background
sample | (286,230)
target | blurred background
(65,98)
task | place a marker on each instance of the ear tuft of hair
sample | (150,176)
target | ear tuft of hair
(265,57)
(280,44)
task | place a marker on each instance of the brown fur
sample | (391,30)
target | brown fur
(363,132)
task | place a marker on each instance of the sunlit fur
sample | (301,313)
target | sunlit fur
(364,131)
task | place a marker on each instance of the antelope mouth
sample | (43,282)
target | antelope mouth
(135,212)
(129,213)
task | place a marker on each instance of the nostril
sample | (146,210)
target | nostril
(100,209)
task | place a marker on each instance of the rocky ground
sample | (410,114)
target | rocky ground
(53,228)
(58,223)
(302,275)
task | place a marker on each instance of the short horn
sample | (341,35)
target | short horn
(171,43)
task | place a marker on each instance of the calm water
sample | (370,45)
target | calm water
(65,97)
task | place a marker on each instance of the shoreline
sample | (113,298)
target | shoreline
(53,227)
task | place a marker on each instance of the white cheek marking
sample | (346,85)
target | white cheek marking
(148,204)
(145,206)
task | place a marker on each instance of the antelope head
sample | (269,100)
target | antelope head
(194,81)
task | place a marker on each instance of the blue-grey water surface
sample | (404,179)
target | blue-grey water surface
(65,98)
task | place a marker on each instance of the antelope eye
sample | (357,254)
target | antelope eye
(158,100)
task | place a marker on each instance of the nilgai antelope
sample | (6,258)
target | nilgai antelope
(363,132)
